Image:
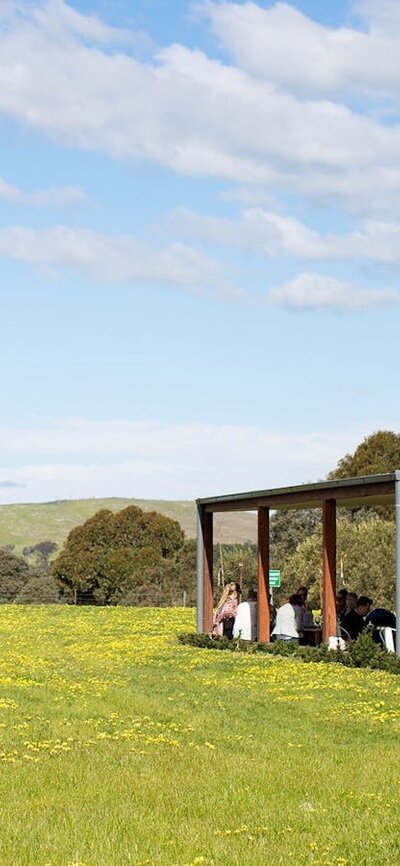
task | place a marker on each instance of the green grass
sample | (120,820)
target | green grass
(120,746)
(26,524)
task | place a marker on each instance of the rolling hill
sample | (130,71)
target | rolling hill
(26,524)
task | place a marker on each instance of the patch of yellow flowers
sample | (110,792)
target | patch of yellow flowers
(64,659)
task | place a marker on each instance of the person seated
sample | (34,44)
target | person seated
(353,622)
(351,601)
(340,607)
(272,612)
(245,626)
(380,618)
(288,620)
(307,620)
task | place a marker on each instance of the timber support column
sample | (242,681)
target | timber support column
(204,570)
(263,609)
(329,569)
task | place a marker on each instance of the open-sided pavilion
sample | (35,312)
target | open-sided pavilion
(370,490)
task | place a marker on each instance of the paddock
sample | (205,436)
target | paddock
(329,496)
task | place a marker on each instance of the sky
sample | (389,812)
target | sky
(199,243)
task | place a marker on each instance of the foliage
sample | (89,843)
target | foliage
(40,554)
(289,528)
(365,555)
(235,562)
(41,589)
(14,573)
(361,653)
(377,454)
(107,559)
(185,573)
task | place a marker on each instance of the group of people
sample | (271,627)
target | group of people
(293,620)
(354,614)
(235,618)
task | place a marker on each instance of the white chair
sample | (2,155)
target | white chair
(389,637)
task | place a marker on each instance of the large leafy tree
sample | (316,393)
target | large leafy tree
(365,556)
(103,560)
(289,528)
(14,574)
(377,454)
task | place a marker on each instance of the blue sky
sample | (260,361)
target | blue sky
(199,243)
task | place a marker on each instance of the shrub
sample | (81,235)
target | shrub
(361,653)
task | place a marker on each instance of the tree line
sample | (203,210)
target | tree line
(142,558)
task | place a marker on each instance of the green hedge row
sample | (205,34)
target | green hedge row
(361,653)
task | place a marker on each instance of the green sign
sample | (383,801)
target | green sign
(274,578)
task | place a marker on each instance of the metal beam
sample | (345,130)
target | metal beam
(397,521)
(263,608)
(208,598)
(199,570)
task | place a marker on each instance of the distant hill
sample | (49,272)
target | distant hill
(23,525)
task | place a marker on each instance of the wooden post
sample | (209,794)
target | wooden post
(263,610)
(329,568)
(208,571)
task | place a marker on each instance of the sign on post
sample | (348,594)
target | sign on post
(274,578)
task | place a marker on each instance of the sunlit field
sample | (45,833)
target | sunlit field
(120,747)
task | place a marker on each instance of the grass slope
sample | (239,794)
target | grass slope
(121,748)
(27,524)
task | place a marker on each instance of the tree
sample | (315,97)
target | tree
(377,454)
(40,589)
(366,551)
(289,528)
(104,559)
(14,573)
(40,555)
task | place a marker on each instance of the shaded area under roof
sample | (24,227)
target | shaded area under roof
(349,492)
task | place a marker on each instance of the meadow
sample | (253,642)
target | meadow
(120,747)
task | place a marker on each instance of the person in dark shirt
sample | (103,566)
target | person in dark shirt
(340,607)
(379,619)
(353,623)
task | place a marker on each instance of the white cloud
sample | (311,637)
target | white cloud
(118,258)
(274,234)
(280,44)
(125,259)
(155,460)
(316,291)
(59,20)
(193,114)
(53,196)
(383,17)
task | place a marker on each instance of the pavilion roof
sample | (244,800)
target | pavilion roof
(349,492)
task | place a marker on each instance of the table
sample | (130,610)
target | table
(313,635)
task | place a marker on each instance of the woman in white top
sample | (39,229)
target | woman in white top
(288,620)
(245,626)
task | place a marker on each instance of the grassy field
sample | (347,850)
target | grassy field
(26,524)
(121,747)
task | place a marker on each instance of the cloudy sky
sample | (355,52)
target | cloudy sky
(199,242)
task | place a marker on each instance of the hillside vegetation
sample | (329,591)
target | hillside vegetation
(23,525)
